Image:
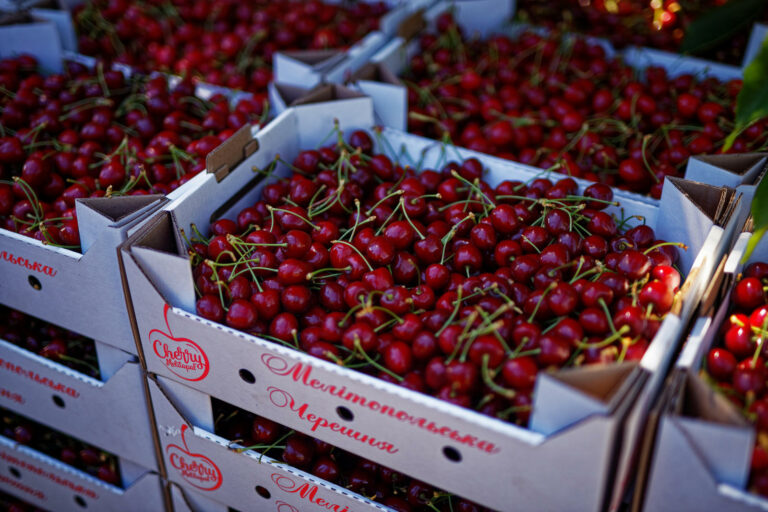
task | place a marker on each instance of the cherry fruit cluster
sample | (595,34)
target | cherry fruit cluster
(49,341)
(660,24)
(737,367)
(247,431)
(53,443)
(222,42)
(436,281)
(556,102)
(94,133)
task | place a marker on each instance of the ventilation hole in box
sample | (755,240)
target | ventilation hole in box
(80,501)
(34,283)
(247,376)
(263,492)
(345,413)
(59,401)
(452,454)
(15,472)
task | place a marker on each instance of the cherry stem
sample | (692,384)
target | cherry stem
(354,249)
(273,209)
(541,299)
(645,158)
(607,341)
(375,364)
(506,393)
(407,218)
(607,312)
(662,244)
(457,305)
(314,273)
(383,199)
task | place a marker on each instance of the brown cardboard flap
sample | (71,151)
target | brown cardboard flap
(702,402)
(714,292)
(312,57)
(290,93)
(116,208)
(375,73)
(600,381)
(736,163)
(672,390)
(412,25)
(157,234)
(711,200)
(568,396)
(234,150)
(328,92)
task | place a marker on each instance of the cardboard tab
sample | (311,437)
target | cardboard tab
(411,26)
(304,68)
(569,396)
(234,150)
(729,170)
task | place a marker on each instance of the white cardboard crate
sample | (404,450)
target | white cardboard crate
(307,68)
(214,475)
(50,484)
(578,413)
(711,443)
(112,414)
(65,287)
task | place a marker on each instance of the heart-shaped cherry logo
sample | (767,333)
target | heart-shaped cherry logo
(182,356)
(197,469)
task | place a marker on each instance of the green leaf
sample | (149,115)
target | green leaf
(720,24)
(759,210)
(751,244)
(752,102)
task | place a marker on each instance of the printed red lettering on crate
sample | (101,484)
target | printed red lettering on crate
(281,398)
(182,356)
(302,374)
(197,469)
(285,507)
(29,265)
(306,491)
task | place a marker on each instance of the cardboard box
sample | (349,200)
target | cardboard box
(742,171)
(204,464)
(700,433)
(75,404)
(307,68)
(389,94)
(70,288)
(581,408)
(23,34)
(187,500)
(50,484)
(282,96)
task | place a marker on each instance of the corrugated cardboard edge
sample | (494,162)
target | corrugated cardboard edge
(673,388)
(412,25)
(376,72)
(234,150)
(327,92)
(123,251)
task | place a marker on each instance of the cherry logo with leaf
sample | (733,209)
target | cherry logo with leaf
(197,469)
(182,356)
